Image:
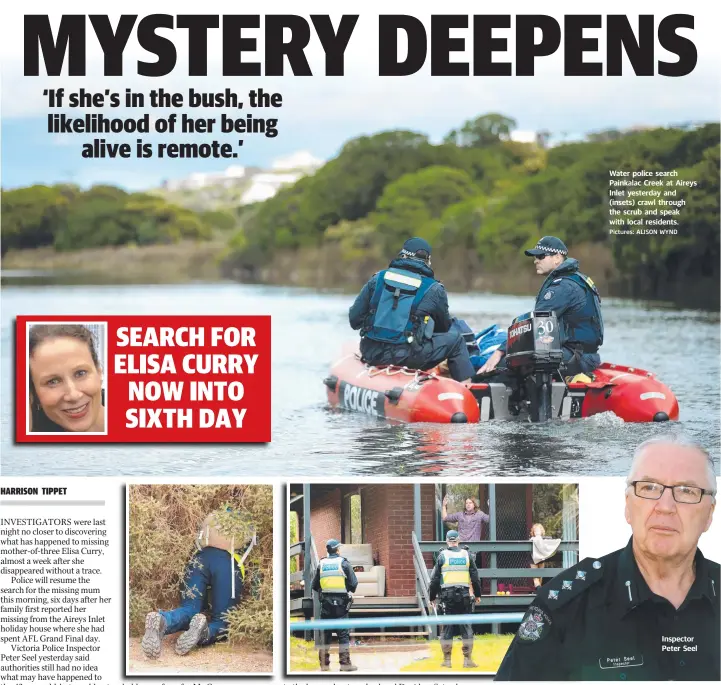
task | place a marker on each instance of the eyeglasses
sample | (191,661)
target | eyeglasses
(541,256)
(685,494)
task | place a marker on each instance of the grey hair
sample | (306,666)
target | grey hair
(675,440)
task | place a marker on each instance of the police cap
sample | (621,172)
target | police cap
(548,245)
(413,246)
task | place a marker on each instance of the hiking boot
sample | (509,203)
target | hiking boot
(153,639)
(447,649)
(467,660)
(197,633)
(324,658)
(345,663)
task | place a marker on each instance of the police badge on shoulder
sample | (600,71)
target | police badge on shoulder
(535,625)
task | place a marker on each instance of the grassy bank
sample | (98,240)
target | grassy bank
(488,653)
(325,267)
(460,270)
(177,263)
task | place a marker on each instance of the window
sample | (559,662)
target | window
(353,519)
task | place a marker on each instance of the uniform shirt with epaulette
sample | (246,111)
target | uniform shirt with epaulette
(600,621)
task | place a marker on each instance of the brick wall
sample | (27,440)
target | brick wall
(325,515)
(375,525)
(400,526)
(387,512)
(428,519)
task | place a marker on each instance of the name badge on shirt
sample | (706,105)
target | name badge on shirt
(620,661)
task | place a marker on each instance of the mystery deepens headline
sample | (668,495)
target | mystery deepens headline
(405,44)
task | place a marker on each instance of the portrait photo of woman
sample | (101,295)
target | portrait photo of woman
(66,390)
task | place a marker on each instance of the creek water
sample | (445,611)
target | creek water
(309,439)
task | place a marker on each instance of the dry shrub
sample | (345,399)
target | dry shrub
(164,522)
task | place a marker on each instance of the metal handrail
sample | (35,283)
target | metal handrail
(518,572)
(403,621)
(314,561)
(418,556)
(314,553)
(496,546)
(423,583)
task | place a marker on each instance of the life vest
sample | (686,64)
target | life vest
(332,575)
(584,327)
(456,568)
(397,294)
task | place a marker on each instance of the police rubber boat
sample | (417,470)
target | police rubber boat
(396,392)
(531,388)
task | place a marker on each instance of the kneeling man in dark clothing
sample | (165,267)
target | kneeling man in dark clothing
(403,318)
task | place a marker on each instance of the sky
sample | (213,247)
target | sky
(321,113)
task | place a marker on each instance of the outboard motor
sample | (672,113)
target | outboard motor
(534,353)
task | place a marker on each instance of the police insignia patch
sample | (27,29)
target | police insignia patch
(553,594)
(580,575)
(534,626)
(548,295)
(567,585)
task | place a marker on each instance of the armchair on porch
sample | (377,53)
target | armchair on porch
(372,578)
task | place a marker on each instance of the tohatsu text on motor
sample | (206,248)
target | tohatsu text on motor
(450,44)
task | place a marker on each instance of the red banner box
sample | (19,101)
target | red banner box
(165,379)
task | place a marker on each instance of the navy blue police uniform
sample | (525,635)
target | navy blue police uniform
(453,571)
(575,300)
(334,579)
(403,317)
(599,620)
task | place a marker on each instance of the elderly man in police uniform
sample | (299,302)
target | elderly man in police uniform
(574,298)
(403,317)
(454,571)
(335,581)
(649,611)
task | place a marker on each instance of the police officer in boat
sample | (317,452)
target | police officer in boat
(403,317)
(452,577)
(335,582)
(574,298)
(649,611)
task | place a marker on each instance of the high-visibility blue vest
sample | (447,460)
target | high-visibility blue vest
(397,294)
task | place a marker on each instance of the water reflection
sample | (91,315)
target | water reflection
(309,439)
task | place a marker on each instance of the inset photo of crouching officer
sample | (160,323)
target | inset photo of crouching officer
(649,611)
(454,572)
(335,582)
(200,579)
